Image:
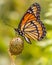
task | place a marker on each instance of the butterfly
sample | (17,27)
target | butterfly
(31,26)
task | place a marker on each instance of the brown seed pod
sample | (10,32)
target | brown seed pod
(16,46)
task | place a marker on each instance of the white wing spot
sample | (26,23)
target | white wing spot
(29,11)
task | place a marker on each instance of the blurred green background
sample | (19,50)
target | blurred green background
(38,53)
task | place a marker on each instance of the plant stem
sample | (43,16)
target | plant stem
(12,58)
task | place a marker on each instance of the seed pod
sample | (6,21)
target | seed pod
(16,46)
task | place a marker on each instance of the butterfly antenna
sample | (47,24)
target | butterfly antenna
(9,25)
(5,22)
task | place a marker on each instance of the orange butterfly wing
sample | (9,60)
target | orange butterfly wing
(27,18)
(31,14)
(34,30)
(31,24)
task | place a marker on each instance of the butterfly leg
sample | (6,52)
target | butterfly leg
(28,40)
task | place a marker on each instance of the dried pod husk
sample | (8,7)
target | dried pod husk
(16,46)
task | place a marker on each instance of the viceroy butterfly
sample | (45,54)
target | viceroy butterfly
(31,26)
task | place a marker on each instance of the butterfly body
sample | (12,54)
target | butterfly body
(31,26)
(19,32)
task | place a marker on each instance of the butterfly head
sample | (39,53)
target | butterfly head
(19,31)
